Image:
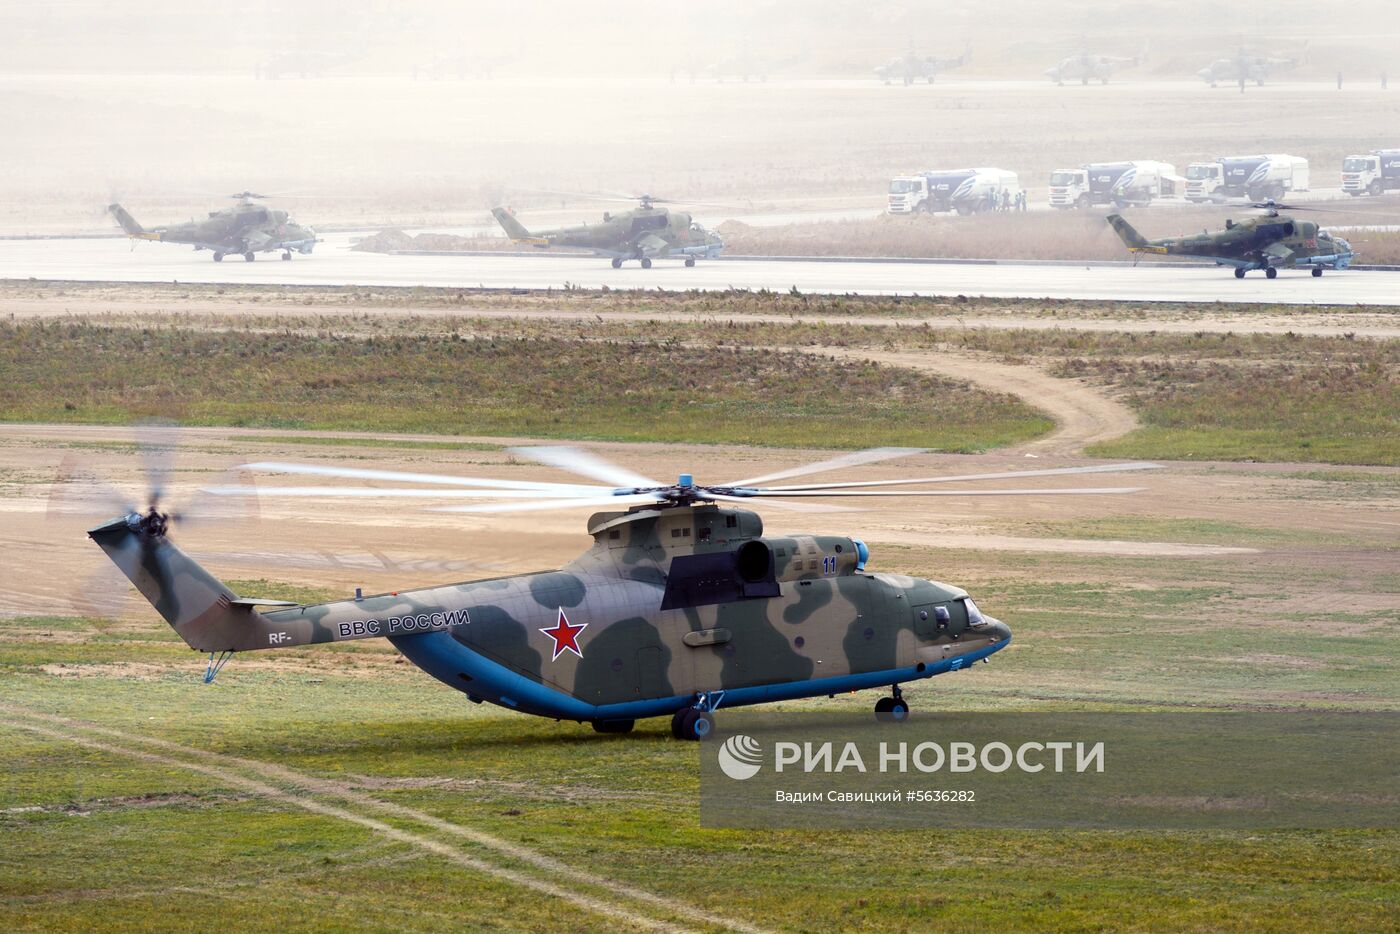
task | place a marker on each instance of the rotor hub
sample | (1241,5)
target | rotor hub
(153,523)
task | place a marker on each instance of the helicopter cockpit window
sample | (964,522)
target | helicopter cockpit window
(655,222)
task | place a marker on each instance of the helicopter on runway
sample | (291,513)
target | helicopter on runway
(645,233)
(246,229)
(1269,241)
(679,607)
(1086,65)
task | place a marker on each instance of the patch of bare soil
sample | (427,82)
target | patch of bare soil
(1084,414)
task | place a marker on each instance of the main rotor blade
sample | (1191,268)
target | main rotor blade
(635,499)
(369,492)
(868,456)
(964,478)
(750,503)
(157,440)
(77,493)
(764,494)
(579,461)
(356,473)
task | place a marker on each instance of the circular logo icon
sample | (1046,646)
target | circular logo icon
(740,757)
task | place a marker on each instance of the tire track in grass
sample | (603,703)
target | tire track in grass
(61,728)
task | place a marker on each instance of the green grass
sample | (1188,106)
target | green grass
(120,843)
(536,387)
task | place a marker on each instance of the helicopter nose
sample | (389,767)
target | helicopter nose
(997,632)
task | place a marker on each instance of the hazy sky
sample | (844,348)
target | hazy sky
(632,37)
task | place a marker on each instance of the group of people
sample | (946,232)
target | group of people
(1006,201)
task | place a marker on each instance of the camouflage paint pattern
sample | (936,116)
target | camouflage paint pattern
(246,228)
(645,232)
(1261,242)
(825,618)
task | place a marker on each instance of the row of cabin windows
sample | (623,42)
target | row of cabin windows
(703,535)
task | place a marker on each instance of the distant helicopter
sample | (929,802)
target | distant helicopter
(246,229)
(1269,242)
(680,606)
(1088,65)
(910,67)
(644,233)
(1244,67)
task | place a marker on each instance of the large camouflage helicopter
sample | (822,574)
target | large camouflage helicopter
(1269,241)
(1244,67)
(1086,65)
(246,229)
(645,233)
(911,67)
(680,606)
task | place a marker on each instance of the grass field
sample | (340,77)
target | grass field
(468,383)
(1206,395)
(96,835)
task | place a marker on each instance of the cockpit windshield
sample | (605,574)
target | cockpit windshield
(1200,171)
(1063,178)
(1356,164)
(902,186)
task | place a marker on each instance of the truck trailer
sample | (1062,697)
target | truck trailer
(1120,183)
(1376,172)
(966,191)
(1252,177)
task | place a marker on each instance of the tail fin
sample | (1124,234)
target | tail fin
(1127,233)
(201,609)
(513,228)
(128,222)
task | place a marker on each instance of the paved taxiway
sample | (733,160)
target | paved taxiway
(333,264)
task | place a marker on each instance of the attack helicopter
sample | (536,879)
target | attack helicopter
(1244,67)
(681,605)
(1268,241)
(911,67)
(247,229)
(1088,65)
(645,233)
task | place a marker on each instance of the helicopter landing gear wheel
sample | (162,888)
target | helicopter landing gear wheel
(1271,273)
(250,256)
(646,263)
(617,262)
(1317,271)
(690,261)
(692,724)
(1239,272)
(287,255)
(218,257)
(892,709)
(614,726)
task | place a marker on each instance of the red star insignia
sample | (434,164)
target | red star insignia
(565,635)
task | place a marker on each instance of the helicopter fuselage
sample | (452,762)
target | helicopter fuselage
(667,606)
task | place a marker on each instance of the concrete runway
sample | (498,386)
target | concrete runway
(334,264)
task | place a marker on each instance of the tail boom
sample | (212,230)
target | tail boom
(129,224)
(516,230)
(1134,241)
(210,617)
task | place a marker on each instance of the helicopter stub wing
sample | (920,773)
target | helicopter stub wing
(651,245)
(1276,254)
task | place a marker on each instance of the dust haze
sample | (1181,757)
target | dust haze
(420,114)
